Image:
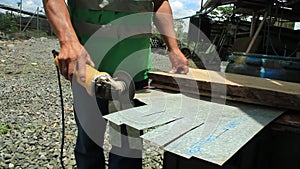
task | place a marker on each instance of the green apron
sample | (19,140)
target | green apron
(116,40)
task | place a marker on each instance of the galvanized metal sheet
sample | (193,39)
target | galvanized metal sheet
(170,132)
(160,109)
(140,117)
(194,113)
(236,127)
(191,127)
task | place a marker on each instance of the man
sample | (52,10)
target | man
(71,27)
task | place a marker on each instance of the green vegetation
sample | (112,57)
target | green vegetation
(8,23)
(36,33)
(4,128)
(179,26)
(8,127)
(222,13)
(10,26)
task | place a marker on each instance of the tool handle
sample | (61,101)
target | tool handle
(55,54)
(90,74)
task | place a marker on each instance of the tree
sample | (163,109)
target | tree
(8,23)
(223,13)
(178,26)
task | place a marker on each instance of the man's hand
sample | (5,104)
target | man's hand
(72,55)
(72,58)
(179,62)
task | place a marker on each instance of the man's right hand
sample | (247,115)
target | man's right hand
(72,55)
(73,58)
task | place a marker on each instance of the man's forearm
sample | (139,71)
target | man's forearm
(163,20)
(59,18)
(72,54)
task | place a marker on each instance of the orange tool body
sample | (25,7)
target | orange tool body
(102,85)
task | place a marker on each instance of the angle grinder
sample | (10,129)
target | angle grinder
(102,85)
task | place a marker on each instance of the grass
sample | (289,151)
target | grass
(4,128)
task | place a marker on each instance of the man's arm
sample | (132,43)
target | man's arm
(72,53)
(163,20)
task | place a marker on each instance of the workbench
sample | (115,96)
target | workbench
(213,120)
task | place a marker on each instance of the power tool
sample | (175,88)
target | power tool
(102,85)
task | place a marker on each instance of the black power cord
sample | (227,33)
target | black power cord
(55,53)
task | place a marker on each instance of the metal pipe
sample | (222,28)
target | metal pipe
(21,15)
(37,22)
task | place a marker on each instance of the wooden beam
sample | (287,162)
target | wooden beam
(229,86)
(257,32)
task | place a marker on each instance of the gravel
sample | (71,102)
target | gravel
(30,123)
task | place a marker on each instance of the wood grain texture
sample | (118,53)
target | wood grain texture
(229,86)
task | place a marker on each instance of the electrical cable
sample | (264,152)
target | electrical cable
(273,48)
(269,39)
(55,53)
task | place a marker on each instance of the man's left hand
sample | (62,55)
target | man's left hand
(179,62)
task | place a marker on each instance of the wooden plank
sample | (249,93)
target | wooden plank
(237,87)
(289,118)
